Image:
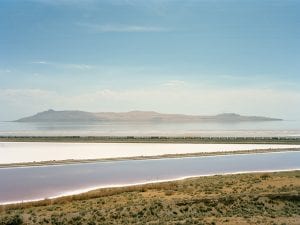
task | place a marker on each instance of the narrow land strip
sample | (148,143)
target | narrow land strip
(153,139)
(70,161)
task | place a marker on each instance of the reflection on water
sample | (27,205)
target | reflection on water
(269,128)
(41,182)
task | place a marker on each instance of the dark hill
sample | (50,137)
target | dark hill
(135,116)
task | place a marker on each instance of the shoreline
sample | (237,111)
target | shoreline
(166,156)
(156,139)
(80,192)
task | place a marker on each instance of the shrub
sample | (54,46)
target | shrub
(12,220)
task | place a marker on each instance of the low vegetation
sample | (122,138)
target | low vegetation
(153,139)
(261,198)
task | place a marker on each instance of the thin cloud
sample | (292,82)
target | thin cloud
(65,65)
(110,28)
(5,71)
(40,62)
(198,100)
(24,93)
(64,2)
(174,83)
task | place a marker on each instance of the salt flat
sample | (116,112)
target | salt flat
(20,152)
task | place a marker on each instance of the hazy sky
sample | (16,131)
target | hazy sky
(194,57)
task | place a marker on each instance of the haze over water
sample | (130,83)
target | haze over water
(256,129)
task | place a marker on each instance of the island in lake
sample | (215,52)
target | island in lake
(136,116)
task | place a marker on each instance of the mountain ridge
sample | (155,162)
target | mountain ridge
(135,116)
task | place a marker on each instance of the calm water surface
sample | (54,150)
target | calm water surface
(270,128)
(17,184)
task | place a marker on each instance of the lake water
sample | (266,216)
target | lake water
(31,183)
(270,128)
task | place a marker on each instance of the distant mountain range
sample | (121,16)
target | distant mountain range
(136,116)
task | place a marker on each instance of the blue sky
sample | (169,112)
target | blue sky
(194,57)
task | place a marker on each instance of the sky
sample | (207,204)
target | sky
(190,56)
